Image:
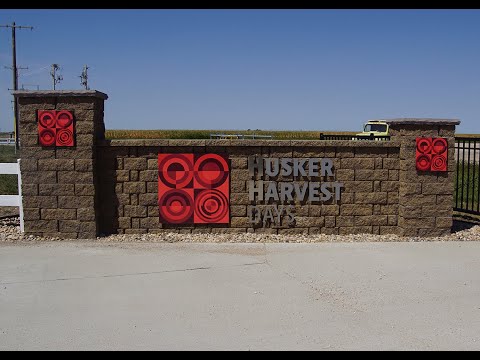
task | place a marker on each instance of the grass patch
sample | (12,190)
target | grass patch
(473,136)
(7,153)
(8,183)
(467,185)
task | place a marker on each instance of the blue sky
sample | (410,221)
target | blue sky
(255,69)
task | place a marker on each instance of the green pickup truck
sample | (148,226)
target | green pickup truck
(374,128)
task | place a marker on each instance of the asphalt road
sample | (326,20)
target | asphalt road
(327,296)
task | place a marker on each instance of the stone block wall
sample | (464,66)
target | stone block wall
(369,172)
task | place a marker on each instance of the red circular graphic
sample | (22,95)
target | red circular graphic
(423,163)
(424,145)
(211,206)
(64,137)
(175,206)
(439,163)
(175,170)
(47,119)
(64,119)
(47,137)
(439,145)
(211,170)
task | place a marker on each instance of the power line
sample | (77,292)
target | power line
(39,70)
(13,26)
(18,68)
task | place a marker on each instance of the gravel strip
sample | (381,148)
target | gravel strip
(10,232)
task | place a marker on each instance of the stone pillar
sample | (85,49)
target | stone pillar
(59,183)
(425,197)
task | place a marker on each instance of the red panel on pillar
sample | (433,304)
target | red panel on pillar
(431,154)
(439,154)
(47,131)
(65,135)
(193,189)
(56,128)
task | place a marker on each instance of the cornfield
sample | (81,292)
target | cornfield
(205,134)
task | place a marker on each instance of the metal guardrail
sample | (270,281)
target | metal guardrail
(10,140)
(240,136)
(7,141)
(353,137)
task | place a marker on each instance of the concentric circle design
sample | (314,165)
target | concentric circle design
(175,170)
(64,119)
(211,170)
(64,137)
(439,162)
(60,124)
(47,137)
(193,188)
(176,206)
(424,145)
(423,163)
(211,206)
(47,119)
(439,145)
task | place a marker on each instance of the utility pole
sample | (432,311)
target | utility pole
(15,76)
(55,77)
(84,77)
(14,102)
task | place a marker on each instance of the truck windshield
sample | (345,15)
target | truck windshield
(375,127)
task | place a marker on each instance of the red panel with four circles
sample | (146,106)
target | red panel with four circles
(432,154)
(56,128)
(193,188)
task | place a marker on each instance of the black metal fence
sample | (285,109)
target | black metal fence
(353,137)
(467,176)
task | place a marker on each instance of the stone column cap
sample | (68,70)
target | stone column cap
(421,121)
(59,93)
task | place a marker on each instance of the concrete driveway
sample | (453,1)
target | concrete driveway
(327,296)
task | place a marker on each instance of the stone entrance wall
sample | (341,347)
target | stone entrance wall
(104,186)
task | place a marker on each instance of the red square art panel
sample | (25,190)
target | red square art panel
(193,188)
(431,154)
(56,128)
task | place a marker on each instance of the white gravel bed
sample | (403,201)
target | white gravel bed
(10,232)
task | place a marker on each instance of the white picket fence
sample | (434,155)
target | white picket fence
(13,200)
